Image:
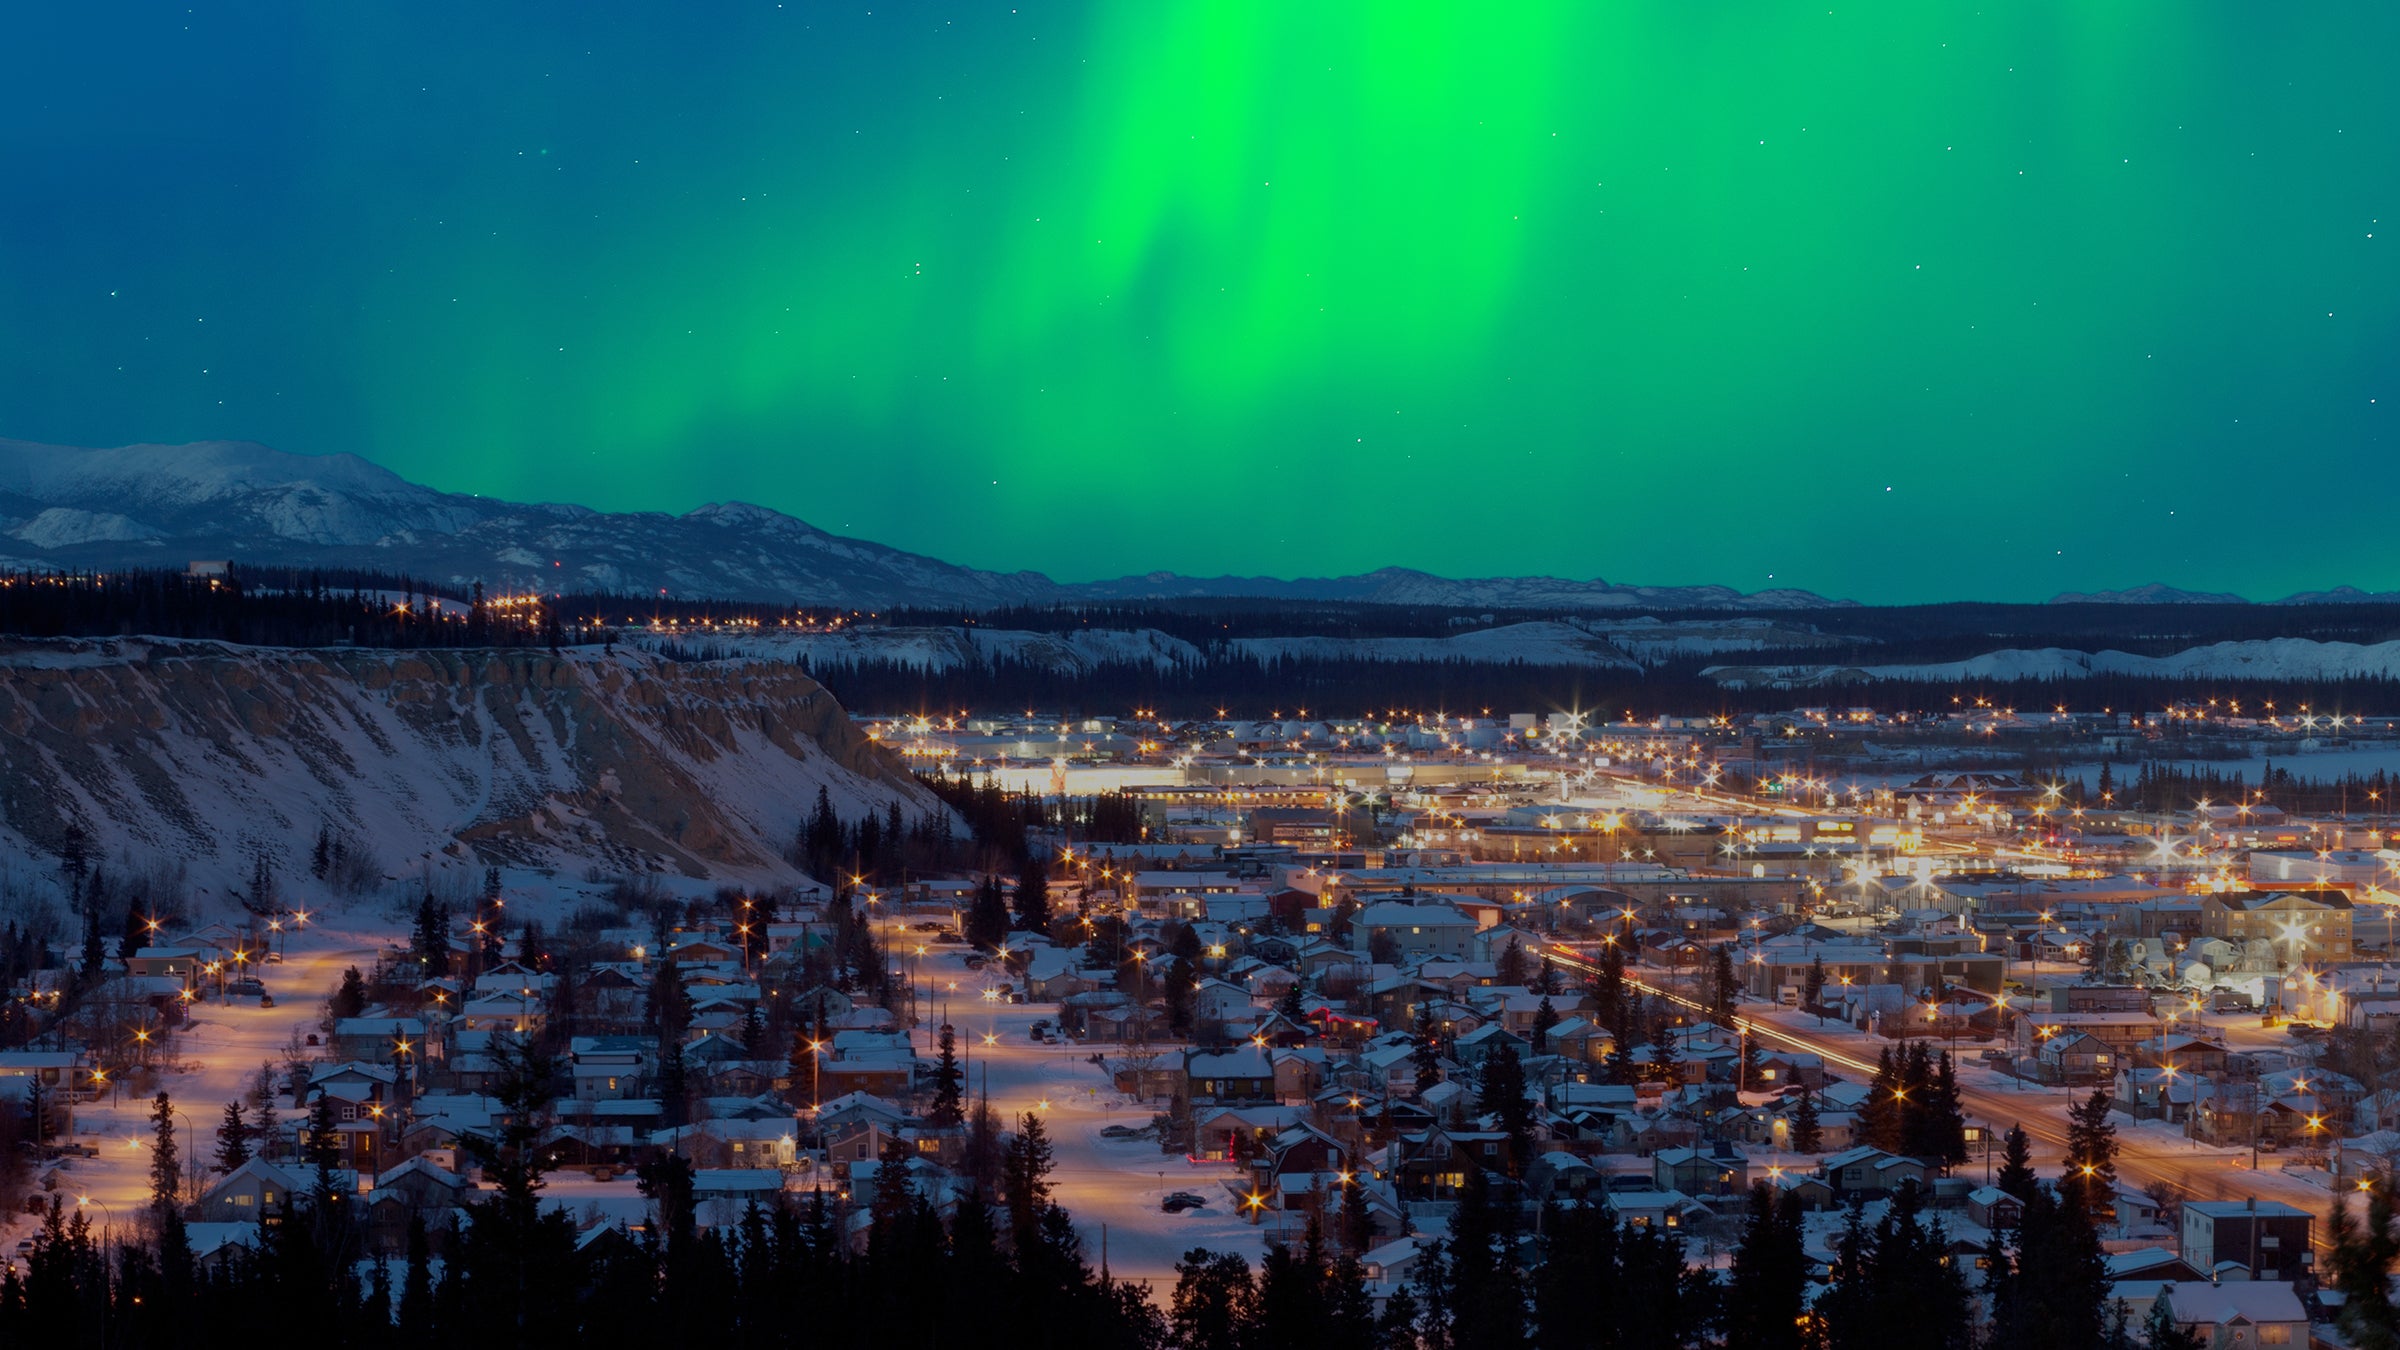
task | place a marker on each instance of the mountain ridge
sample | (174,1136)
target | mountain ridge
(154,505)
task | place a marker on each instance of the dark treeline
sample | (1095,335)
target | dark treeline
(1007,1268)
(316,607)
(1255,687)
(888,848)
(2178,787)
(286,610)
(1852,634)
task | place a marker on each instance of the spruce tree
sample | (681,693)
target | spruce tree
(2016,1176)
(1766,1296)
(2361,1264)
(233,1139)
(166,1173)
(1722,988)
(2091,1169)
(949,1100)
(1426,1055)
(1545,1017)
(1033,896)
(1500,1094)
(1025,1178)
(350,999)
(1808,1132)
(1880,1123)
(1812,987)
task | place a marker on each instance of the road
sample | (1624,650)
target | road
(2146,1157)
(1111,1187)
(216,1054)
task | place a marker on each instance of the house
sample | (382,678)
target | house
(2229,1315)
(1719,1169)
(379,1040)
(250,1193)
(1435,1165)
(1870,1171)
(420,1187)
(1993,1208)
(1656,1209)
(1240,1075)
(174,963)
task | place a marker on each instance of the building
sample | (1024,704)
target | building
(1414,931)
(2304,927)
(2265,1237)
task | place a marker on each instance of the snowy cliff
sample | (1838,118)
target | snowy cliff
(204,753)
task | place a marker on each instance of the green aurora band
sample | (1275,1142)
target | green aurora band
(1899,301)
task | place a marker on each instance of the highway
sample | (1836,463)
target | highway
(2189,1172)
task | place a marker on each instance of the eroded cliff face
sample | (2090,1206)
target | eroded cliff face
(206,752)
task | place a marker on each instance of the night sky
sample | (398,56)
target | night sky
(1896,301)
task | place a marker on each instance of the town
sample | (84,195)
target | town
(1795,992)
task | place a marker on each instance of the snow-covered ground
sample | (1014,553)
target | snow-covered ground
(218,1052)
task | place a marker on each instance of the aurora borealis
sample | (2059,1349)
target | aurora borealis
(1898,301)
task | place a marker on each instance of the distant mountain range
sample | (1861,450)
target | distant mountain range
(2158,594)
(163,505)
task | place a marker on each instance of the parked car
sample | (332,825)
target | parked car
(1124,1132)
(1179,1201)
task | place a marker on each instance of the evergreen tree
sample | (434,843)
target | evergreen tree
(2016,1175)
(2052,1292)
(1545,1017)
(1510,968)
(95,954)
(1808,1132)
(2159,1331)
(2360,1267)
(1723,990)
(233,1138)
(1666,1049)
(1812,987)
(350,999)
(987,919)
(1766,1296)
(1358,1218)
(1880,1122)
(2091,1168)
(1025,1178)
(1033,896)
(1426,1055)
(1609,990)
(429,940)
(166,1173)
(1621,1068)
(1500,1094)
(949,1100)
(1215,1304)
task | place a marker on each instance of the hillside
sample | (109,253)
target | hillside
(204,754)
(160,505)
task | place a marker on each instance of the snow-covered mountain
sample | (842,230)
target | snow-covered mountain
(1403,586)
(2297,659)
(424,761)
(153,505)
(945,649)
(2156,593)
